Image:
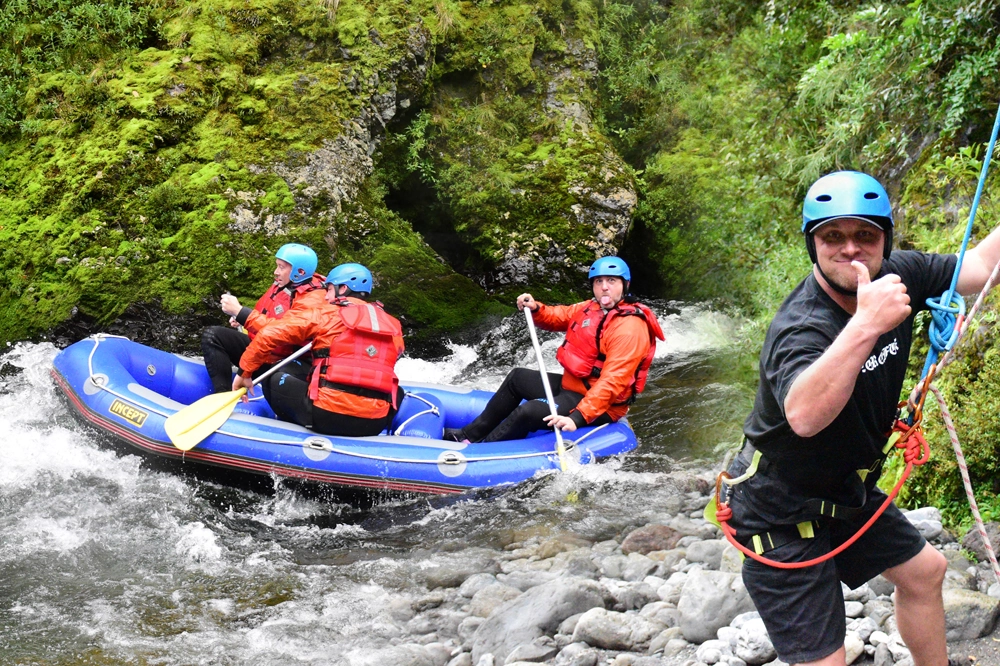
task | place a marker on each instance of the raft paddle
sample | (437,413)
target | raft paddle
(188,427)
(560,447)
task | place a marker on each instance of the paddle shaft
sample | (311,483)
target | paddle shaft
(560,447)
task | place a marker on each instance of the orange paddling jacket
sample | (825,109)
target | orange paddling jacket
(355,348)
(606,355)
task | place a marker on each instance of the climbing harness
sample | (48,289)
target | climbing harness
(949,322)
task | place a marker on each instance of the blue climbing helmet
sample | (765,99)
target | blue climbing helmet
(355,276)
(301,257)
(846,194)
(612,266)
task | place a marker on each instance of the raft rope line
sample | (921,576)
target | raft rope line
(948,324)
(99,383)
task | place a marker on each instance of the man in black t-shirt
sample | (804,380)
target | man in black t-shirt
(831,371)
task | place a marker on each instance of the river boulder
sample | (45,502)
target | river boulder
(537,612)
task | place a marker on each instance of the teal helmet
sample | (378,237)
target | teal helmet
(846,194)
(301,257)
(612,266)
(355,276)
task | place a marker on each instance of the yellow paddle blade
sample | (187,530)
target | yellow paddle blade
(188,427)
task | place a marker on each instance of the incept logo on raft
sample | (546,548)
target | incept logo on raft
(875,360)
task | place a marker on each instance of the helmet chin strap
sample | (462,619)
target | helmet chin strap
(836,287)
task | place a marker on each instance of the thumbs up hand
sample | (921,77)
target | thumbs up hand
(883,304)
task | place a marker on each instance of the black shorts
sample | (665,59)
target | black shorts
(803,609)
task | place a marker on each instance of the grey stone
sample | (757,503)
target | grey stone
(569,624)
(525,580)
(923,513)
(635,596)
(467,629)
(707,552)
(577,654)
(537,612)
(959,580)
(674,647)
(974,542)
(616,631)
(753,645)
(728,634)
(531,652)
(489,598)
(638,567)
(863,593)
(854,647)
(612,566)
(711,652)
(853,609)
(463,659)
(660,641)
(731,560)
(709,600)
(882,656)
(878,610)
(474,583)
(881,586)
(743,618)
(969,614)
(863,627)
(671,590)
(662,612)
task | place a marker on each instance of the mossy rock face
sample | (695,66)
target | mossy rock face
(519,171)
(163,166)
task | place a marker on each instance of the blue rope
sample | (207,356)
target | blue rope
(946,309)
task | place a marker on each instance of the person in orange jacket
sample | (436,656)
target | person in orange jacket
(294,280)
(352,389)
(609,346)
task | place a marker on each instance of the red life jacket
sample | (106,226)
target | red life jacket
(580,353)
(362,359)
(276,301)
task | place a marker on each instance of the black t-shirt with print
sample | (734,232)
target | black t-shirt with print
(803,328)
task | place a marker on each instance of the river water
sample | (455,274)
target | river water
(107,562)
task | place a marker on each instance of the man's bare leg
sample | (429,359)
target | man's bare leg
(920,606)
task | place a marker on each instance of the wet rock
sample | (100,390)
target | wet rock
(972,541)
(399,655)
(454,574)
(474,583)
(488,599)
(616,631)
(537,612)
(753,645)
(525,580)
(969,614)
(649,538)
(709,600)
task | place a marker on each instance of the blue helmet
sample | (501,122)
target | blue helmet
(846,194)
(355,276)
(301,257)
(612,266)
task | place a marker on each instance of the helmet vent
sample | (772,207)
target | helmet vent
(824,198)
(871,195)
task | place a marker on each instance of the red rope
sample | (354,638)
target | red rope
(915,452)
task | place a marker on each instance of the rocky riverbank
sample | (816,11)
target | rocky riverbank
(668,592)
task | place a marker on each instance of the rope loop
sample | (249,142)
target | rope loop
(946,320)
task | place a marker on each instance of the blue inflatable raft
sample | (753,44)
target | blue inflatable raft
(127,390)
